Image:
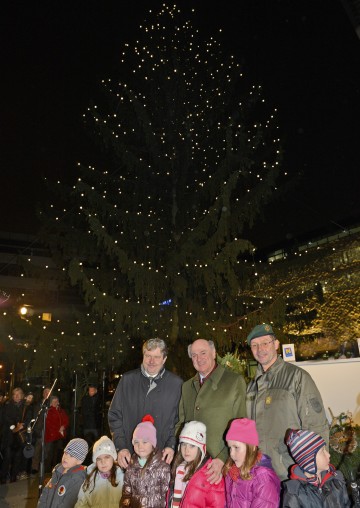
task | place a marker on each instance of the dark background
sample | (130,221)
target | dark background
(305,54)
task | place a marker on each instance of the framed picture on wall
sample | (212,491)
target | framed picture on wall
(288,352)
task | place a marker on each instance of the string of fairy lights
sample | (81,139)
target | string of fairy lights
(192,159)
(340,263)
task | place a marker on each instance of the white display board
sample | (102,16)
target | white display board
(339,384)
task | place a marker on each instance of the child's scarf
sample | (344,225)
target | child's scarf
(179,485)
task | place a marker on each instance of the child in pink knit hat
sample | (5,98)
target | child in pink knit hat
(249,477)
(147,477)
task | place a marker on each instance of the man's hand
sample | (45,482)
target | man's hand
(19,426)
(123,458)
(168,455)
(213,472)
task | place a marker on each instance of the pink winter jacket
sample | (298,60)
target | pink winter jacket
(261,491)
(199,493)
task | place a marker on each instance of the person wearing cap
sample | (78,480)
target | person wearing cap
(189,487)
(281,396)
(104,479)
(29,398)
(214,396)
(314,482)
(150,389)
(249,477)
(147,476)
(67,477)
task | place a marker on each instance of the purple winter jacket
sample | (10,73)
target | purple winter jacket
(262,491)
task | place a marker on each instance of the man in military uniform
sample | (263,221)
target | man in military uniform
(281,396)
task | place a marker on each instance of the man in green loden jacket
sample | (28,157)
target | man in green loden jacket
(213,396)
(281,396)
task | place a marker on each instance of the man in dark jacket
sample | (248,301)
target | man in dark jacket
(91,414)
(16,418)
(151,389)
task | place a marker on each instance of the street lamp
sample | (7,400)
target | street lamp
(26,311)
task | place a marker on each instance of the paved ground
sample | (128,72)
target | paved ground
(21,494)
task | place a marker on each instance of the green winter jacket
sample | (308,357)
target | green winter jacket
(219,400)
(284,397)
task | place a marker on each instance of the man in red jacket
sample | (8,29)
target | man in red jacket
(57,423)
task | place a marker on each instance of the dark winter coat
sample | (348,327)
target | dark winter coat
(91,411)
(137,396)
(146,487)
(261,491)
(199,493)
(39,425)
(62,490)
(331,493)
(14,413)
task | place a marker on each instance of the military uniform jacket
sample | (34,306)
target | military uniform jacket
(220,399)
(283,397)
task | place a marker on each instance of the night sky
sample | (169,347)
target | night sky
(305,54)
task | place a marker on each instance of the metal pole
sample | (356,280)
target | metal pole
(103,404)
(75,407)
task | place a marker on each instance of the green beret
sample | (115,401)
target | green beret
(260,331)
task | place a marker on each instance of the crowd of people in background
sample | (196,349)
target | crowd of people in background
(33,431)
(208,442)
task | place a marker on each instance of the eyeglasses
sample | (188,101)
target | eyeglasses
(261,345)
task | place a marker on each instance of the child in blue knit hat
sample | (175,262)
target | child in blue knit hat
(67,477)
(314,482)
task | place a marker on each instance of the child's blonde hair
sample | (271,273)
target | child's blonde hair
(252,457)
(93,474)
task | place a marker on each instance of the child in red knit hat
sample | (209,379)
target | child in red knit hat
(147,477)
(249,477)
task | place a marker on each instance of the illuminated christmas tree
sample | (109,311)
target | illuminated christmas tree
(153,234)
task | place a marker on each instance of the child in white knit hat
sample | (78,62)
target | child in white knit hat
(104,480)
(189,486)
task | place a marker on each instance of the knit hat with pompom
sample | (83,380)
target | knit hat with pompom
(145,431)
